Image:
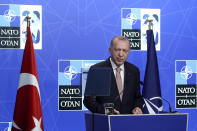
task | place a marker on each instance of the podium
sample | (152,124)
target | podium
(144,122)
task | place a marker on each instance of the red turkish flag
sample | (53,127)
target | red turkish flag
(28,111)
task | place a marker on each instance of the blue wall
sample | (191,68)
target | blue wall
(82,30)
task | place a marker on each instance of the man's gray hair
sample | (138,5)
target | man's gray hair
(119,38)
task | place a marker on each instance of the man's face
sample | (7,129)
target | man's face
(119,51)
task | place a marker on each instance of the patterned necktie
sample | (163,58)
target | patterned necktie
(119,82)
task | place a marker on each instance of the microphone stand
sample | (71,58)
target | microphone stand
(170,107)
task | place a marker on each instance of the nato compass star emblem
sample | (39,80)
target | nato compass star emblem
(70,72)
(131,18)
(10,15)
(151,106)
(186,72)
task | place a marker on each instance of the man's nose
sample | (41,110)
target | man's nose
(121,53)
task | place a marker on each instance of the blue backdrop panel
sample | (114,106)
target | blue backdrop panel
(82,30)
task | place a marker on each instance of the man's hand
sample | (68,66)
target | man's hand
(116,112)
(137,110)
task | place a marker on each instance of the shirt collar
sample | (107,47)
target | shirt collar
(114,66)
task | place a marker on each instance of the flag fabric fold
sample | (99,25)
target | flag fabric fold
(151,90)
(28,111)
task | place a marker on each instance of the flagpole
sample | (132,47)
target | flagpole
(28,21)
(150,23)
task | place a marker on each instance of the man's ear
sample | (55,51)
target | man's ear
(110,50)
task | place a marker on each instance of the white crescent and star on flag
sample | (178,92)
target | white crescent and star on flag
(29,79)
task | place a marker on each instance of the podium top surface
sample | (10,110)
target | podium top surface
(164,114)
(143,122)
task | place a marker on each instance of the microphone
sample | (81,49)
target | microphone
(111,106)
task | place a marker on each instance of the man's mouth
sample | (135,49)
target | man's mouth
(119,60)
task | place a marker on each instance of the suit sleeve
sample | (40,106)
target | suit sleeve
(91,103)
(138,98)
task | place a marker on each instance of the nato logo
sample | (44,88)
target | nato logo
(72,76)
(186,72)
(9,15)
(131,18)
(70,72)
(134,23)
(150,105)
(186,83)
(13,25)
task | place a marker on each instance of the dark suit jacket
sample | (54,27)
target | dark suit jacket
(131,94)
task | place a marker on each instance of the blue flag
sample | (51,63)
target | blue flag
(151,90)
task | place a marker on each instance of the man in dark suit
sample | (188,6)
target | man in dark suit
(125,82)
